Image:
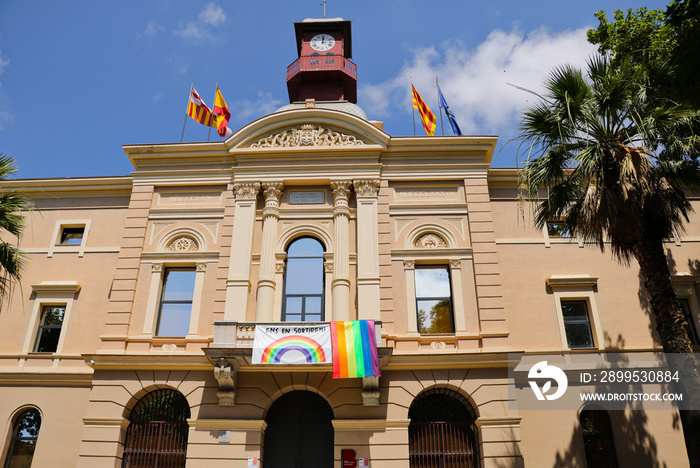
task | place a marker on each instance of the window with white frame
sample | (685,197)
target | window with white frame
(69,236)
(176,302)
(72,235)
(577,313)
(577,323)
(49,331)
(50,315)
(685,287)
(433,299)
(689,321)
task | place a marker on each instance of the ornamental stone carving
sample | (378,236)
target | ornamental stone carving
(366,188)
(183,244)
(430,241)
(246,190)
(341,197)
(272,192)
(307,135)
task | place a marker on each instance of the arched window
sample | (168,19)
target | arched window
(303,281)
(442,431)
(23,441)
(597,437)
(157,432)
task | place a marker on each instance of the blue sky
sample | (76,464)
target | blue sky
(79,79)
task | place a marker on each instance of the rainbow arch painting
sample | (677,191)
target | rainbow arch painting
(311,349)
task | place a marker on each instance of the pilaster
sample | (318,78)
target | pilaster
(341,263)
(367,249)
(238,282)
(266,281)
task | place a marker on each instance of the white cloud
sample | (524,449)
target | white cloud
(212,14)
(194,31)
(246,110)
(474,81)
(153,28)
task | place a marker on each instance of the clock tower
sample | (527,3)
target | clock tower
(323,70)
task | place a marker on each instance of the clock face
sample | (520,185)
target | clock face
(322,42)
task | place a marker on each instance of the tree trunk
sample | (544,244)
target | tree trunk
(671,326)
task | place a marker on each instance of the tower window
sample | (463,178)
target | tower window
(176,303)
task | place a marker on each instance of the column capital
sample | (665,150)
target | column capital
(156,267)
(409,264)
(272,191)
(246,190)
(341,196)
(366,188)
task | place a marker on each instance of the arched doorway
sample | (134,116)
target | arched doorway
(299,432)
(442,433)
(157,432)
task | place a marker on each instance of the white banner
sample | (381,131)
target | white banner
(280,344)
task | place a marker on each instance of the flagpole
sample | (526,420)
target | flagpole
(413,109)
(217,87)
(185,122)
(442,125)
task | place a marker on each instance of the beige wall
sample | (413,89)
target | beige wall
(500,267)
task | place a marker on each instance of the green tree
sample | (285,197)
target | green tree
(643,36)
(12,204)
(613,160)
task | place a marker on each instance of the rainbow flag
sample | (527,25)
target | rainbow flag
(354,349)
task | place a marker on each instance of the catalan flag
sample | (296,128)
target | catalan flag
(354,347)
(426,115)
(199,111)
(222,114)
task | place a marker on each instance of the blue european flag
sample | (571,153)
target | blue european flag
(450,115)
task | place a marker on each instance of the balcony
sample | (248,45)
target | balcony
(232,350)
(322,63)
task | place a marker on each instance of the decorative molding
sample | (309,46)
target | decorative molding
(437,345)
(572,281)
(427,193)
(169,347)
(183,244)
(455,264)
(370,391)
(341,196)
(56,287)
(225,374)
(430,241)
(409,264)
(307,135)
(202,266)
(366,188)
(272,191)
(328,267)
(246,190)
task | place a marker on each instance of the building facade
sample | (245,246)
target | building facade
(129,340)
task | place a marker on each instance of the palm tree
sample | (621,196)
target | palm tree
(613,161)
(12,204)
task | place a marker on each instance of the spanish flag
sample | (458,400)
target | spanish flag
(222,114)
(426,115)
(354,349)
(198,110)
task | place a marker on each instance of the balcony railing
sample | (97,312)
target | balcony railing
(242,334)
(322,63)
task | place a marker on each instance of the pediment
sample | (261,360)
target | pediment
(308,129)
